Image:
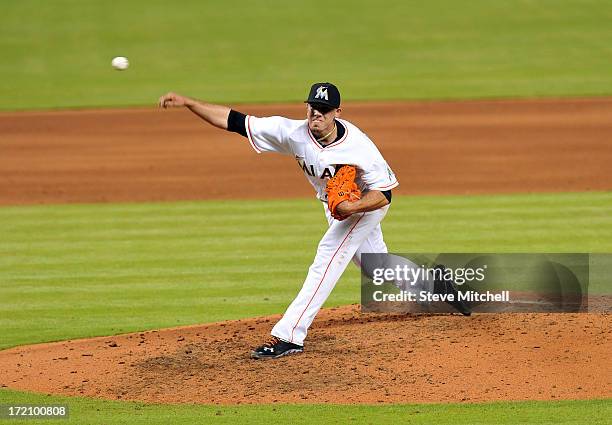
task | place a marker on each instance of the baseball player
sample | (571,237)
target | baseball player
(321,144)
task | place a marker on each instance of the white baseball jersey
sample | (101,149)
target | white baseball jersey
(293,137)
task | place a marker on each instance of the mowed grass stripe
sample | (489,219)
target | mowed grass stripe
(69,271)
(72,254)
(105,412)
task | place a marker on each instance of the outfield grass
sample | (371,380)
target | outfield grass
(82,410)
(69,271)
(57,53)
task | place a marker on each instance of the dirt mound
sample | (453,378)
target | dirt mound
(349,358)
(434,148)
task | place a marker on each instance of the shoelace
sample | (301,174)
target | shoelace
(272,341)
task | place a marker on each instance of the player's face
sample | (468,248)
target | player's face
(320,119)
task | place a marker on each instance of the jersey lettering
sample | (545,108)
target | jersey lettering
(309,170)
(326,173)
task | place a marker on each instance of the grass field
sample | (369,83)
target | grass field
(94,412)
(72,271)
(57,54)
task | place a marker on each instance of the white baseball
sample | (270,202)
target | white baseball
(120,63)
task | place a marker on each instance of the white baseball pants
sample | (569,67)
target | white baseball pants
(343,241)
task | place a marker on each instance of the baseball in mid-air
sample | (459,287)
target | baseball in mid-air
(120,63)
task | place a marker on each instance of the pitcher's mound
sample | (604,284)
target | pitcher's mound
(348,358)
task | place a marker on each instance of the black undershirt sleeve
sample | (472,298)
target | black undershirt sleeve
(387,194)
(236,122)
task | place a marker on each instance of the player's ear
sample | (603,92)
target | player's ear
(338,112)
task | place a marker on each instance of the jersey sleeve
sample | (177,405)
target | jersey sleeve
(269,134)
(375,172)
(377,175)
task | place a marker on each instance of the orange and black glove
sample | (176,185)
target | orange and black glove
(340,188)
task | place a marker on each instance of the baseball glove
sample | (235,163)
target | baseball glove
(340,188)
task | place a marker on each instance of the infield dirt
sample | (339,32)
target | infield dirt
(434,148)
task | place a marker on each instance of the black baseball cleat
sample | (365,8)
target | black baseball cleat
(443,285)
(275,348)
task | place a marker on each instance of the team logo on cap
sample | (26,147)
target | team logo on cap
(322,93)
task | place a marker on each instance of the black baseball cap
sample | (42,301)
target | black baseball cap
(325,94)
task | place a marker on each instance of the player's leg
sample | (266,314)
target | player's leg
(375,244)
(335,251)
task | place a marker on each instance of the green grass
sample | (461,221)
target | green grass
(69,271)
(57,53)
(94,412)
